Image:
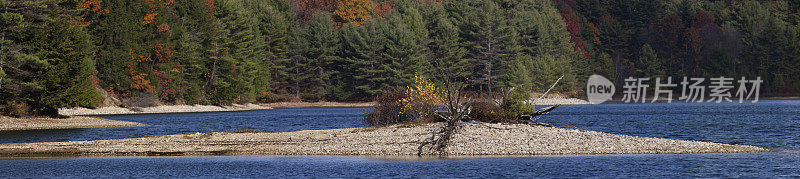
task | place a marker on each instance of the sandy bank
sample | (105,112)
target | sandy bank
(561,101)
(9,123)
(471,140)
(317,104)
(78,111)
(556,98)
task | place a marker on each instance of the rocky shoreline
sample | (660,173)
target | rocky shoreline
(113,110)
(75,122)
(321,104)
(561,101)
(78,111)
(472,139)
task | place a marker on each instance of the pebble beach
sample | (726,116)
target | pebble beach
(471,139)
(113,110)
(74,122)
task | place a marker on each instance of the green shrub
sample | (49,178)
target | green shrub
(509,111)
(515,105)
(15,109)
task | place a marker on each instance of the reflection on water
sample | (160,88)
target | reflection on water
(28,133)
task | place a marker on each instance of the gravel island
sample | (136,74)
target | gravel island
(74,122)
(113,110)
(471,139)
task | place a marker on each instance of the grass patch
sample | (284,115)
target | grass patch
(248,131)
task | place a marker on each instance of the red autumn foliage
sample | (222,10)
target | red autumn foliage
(92,7)
(157,60)
(306,9)
(670,30)
(210,5)
(164,29)
(573,26)
(162,52)
(381,9)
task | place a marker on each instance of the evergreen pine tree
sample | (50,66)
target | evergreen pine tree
(324,44)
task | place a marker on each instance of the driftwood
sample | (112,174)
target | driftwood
(533,118)
(548,90)
(439,138)
(544,111)
(455,109)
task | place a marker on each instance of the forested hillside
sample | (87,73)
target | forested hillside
(63,53)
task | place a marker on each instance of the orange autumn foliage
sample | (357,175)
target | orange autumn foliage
(139,80)
(91,7)
(94,6)
(149,18)
(353,11)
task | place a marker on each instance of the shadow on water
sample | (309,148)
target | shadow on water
(38,132)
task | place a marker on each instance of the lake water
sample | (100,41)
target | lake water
(772,124)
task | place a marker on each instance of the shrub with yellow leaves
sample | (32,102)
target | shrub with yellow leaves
(419,103)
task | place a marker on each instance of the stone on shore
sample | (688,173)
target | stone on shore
(78,111)
(36,123)
(472,139)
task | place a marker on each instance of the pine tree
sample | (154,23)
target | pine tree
(323,43)
(299,68)
(248,50)
(67,50)
(191,51)
(406,41)
(48,60)
(313,50)
(9,22)
(544,39)
(492,41)
(115,35)
(361,54)
(273,23)
(447,54)
(649,65)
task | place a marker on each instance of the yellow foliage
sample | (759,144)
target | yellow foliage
(420,100)
(353,11)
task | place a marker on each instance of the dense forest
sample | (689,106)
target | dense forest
(64,53)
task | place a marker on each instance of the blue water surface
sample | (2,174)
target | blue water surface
(773,124)
(752,165)
(282,120)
